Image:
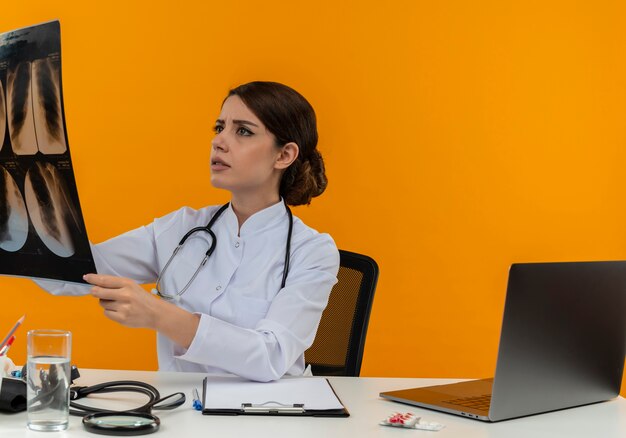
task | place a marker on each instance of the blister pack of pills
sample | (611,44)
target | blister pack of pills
(409,420)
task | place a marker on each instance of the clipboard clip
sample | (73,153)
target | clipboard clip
(270,407)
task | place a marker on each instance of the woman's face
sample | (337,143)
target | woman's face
(244,152)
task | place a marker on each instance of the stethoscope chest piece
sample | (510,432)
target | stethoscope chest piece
(121,423)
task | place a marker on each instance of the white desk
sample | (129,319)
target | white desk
(359,395)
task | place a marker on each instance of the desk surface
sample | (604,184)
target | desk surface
(360,396)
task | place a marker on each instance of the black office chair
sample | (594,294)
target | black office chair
(338,346)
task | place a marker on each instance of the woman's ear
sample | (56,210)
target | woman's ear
(287,155)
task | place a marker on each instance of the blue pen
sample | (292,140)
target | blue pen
(197,404)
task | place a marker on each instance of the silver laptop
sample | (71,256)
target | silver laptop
(562,344)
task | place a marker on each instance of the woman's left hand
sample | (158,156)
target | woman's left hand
(124,301)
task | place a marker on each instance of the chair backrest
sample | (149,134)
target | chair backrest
(338,346)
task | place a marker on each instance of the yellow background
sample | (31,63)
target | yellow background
(459,137)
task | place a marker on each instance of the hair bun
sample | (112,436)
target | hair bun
(305,180)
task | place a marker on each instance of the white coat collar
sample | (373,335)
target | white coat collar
(258,221)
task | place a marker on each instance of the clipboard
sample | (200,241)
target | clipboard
(289,396)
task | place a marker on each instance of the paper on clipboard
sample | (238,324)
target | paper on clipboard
(315,393)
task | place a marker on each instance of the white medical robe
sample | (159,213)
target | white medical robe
(248,325)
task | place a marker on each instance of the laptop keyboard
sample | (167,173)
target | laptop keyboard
(481,402)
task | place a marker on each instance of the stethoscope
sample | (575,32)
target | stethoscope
(136,421)
(207,229)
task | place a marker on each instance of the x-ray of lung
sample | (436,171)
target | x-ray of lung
(42,232)
(13,215)
(52,213)
(20,109)
(34,107)
(3,116)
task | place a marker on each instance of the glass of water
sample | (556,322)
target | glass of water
(48,379)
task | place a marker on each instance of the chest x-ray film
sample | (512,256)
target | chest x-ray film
(42,232)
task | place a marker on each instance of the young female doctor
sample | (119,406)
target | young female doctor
(244,292)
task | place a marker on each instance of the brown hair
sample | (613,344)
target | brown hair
(290,118)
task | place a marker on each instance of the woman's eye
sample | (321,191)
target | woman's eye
(218,128)
(244,131)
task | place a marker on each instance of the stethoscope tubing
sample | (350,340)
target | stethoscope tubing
(207,228)
(154,397)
